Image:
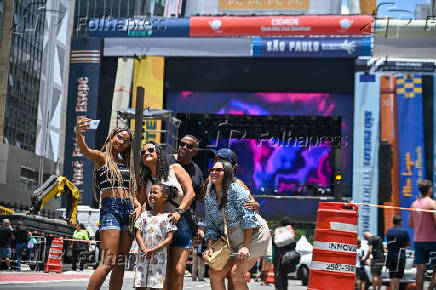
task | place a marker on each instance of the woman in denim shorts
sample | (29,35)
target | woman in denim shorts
(115,178)
(156,168)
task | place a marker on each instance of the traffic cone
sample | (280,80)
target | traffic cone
(54,263)
(270,277)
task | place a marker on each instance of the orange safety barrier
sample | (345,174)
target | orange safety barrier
(334,248)
(270,277)
(54,263)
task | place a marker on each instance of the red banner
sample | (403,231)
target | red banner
(202,26)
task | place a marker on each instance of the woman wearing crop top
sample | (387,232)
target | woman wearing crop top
(115,177)
(424,224)
(155,167)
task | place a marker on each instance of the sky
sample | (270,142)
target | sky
(388,9)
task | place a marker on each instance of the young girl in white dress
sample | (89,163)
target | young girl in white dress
(154,234)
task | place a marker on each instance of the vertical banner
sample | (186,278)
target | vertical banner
(82,101)
(149,73)
(122,88)
(366,144)
(410,140)
(389,133)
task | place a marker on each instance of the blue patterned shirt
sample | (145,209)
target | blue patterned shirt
(236,213)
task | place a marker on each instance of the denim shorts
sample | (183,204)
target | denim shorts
(424,253)
(114,213)
(182,238)
(5,253)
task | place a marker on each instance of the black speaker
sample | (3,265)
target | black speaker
(336,158)
(385,163)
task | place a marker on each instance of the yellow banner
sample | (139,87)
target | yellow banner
(264,4)
(149,74)
(368,7)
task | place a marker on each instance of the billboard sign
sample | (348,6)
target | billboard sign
(229,26)
(312,47)
(298,5)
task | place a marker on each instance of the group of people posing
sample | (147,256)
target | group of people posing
(159,212)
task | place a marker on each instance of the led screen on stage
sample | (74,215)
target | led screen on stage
(268,167)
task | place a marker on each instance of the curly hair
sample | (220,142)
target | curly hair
(228,179)
(113,173)
(169,190)
(162,166)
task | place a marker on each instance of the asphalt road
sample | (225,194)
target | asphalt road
(189,284)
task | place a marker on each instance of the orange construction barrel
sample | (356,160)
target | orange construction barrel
(334,248)
(54,263)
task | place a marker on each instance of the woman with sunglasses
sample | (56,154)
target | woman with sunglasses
(230,156)
(245,238)
(115,178)
(156,168)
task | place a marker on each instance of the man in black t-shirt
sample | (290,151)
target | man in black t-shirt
(20,235)
(377,250)
(5,243)
(397,238)
(188,148)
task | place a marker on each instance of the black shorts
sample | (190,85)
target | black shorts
(377,266)
(396,267)
(361,275)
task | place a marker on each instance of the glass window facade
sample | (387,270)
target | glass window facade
(86,9)
(24,73)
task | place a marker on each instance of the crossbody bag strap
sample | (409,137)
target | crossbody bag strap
(225,227)
(173,203)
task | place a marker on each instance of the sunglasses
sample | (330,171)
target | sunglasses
(189,146)
(149,150)
(124,140)
(216,170)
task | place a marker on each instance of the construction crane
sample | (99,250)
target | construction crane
(54,187)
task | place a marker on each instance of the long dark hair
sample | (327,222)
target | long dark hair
(162,166)
(228,179)
(113,173)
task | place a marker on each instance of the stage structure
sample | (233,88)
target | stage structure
(170,124)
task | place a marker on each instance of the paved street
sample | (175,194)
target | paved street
(22,281)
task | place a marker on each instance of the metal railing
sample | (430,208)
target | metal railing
(37,254)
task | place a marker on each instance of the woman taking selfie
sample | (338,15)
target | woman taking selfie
(156,168)
(115,178)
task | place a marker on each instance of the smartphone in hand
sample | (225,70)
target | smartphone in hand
(93,124)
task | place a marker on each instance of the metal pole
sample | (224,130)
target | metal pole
(140,92)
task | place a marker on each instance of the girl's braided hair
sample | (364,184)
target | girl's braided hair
(113,173)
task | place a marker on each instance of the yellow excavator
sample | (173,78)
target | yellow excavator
(55,186)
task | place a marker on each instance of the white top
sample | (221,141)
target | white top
(172,180)
(359,255)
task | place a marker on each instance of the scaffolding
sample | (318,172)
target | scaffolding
(169,131)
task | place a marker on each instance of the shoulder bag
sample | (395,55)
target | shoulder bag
(220,249)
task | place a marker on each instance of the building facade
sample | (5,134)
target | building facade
(33,56)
